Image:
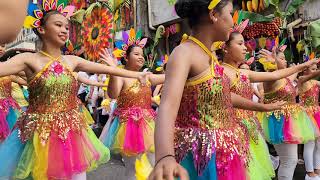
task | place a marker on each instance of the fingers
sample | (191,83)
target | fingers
(168,173)
(181,172)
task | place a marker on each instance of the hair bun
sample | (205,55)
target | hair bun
(184,8)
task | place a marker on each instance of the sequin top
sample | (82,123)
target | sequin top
(285,92)
(53,104)
(242,86)
(6,100)
(206,122)
(309,98)
(135,102)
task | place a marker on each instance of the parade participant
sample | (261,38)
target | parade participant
(52,139)
(309,99)
(290,126)
(197,135)
(234,53)
(132,131)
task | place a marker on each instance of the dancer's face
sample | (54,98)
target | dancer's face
(236,49)
(55,30)
(135,59)
(224,22)
(311,70)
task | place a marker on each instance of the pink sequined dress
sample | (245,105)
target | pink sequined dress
(9,108)
(309,99)
(132,130)
(209,141)
(260,166)
(290,124)
(52,139)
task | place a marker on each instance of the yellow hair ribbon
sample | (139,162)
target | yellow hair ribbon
(213,4)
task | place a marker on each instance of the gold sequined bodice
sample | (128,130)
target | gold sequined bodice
(310,97)
(206,103)
(136,95)
(5,87)
(286,92)
(53,90)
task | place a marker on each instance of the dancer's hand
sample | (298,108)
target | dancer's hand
(107,58)
(144,76)
(274,106)
(311,62)
(168,169)
(270,56)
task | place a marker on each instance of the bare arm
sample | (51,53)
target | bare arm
(14,65)
(256,92)
(156,79)
(18,80)
(91,82)
(243,103)
(303,79)
(12,15)
(157,90)
(87,66)
(279,74)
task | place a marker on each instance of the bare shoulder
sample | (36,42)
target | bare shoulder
(181,54)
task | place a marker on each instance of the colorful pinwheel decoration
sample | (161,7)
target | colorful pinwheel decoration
(97,31)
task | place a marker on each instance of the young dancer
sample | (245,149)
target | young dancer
(197,134)
(309,98)
(290,126)
(234,52)
(52,139)
(132,132)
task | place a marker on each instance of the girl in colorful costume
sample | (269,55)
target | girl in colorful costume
(289,126)
(200,136)
(309,98)
(132,131)
(52,139)
(9,108)
(234,52)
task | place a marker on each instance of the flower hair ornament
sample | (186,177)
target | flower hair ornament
(35,14)
(133,38)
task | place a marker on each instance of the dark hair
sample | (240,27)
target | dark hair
(194,10)
(128,51)
(44,20)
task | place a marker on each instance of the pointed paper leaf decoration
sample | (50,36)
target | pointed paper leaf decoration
(276,41)
(68,11)
(166,58)
(241,17)
(262,42)
(118,53)
(46,5)
(283,48)
(125,37)
(243,25)
(143,42)
(31,8)
(312,55)
(38,14)
(139,34)
(53,5)
(132,35)
(235,17)
(36,23)
(29,21)
(283,41)
(119,44)
(60,8)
